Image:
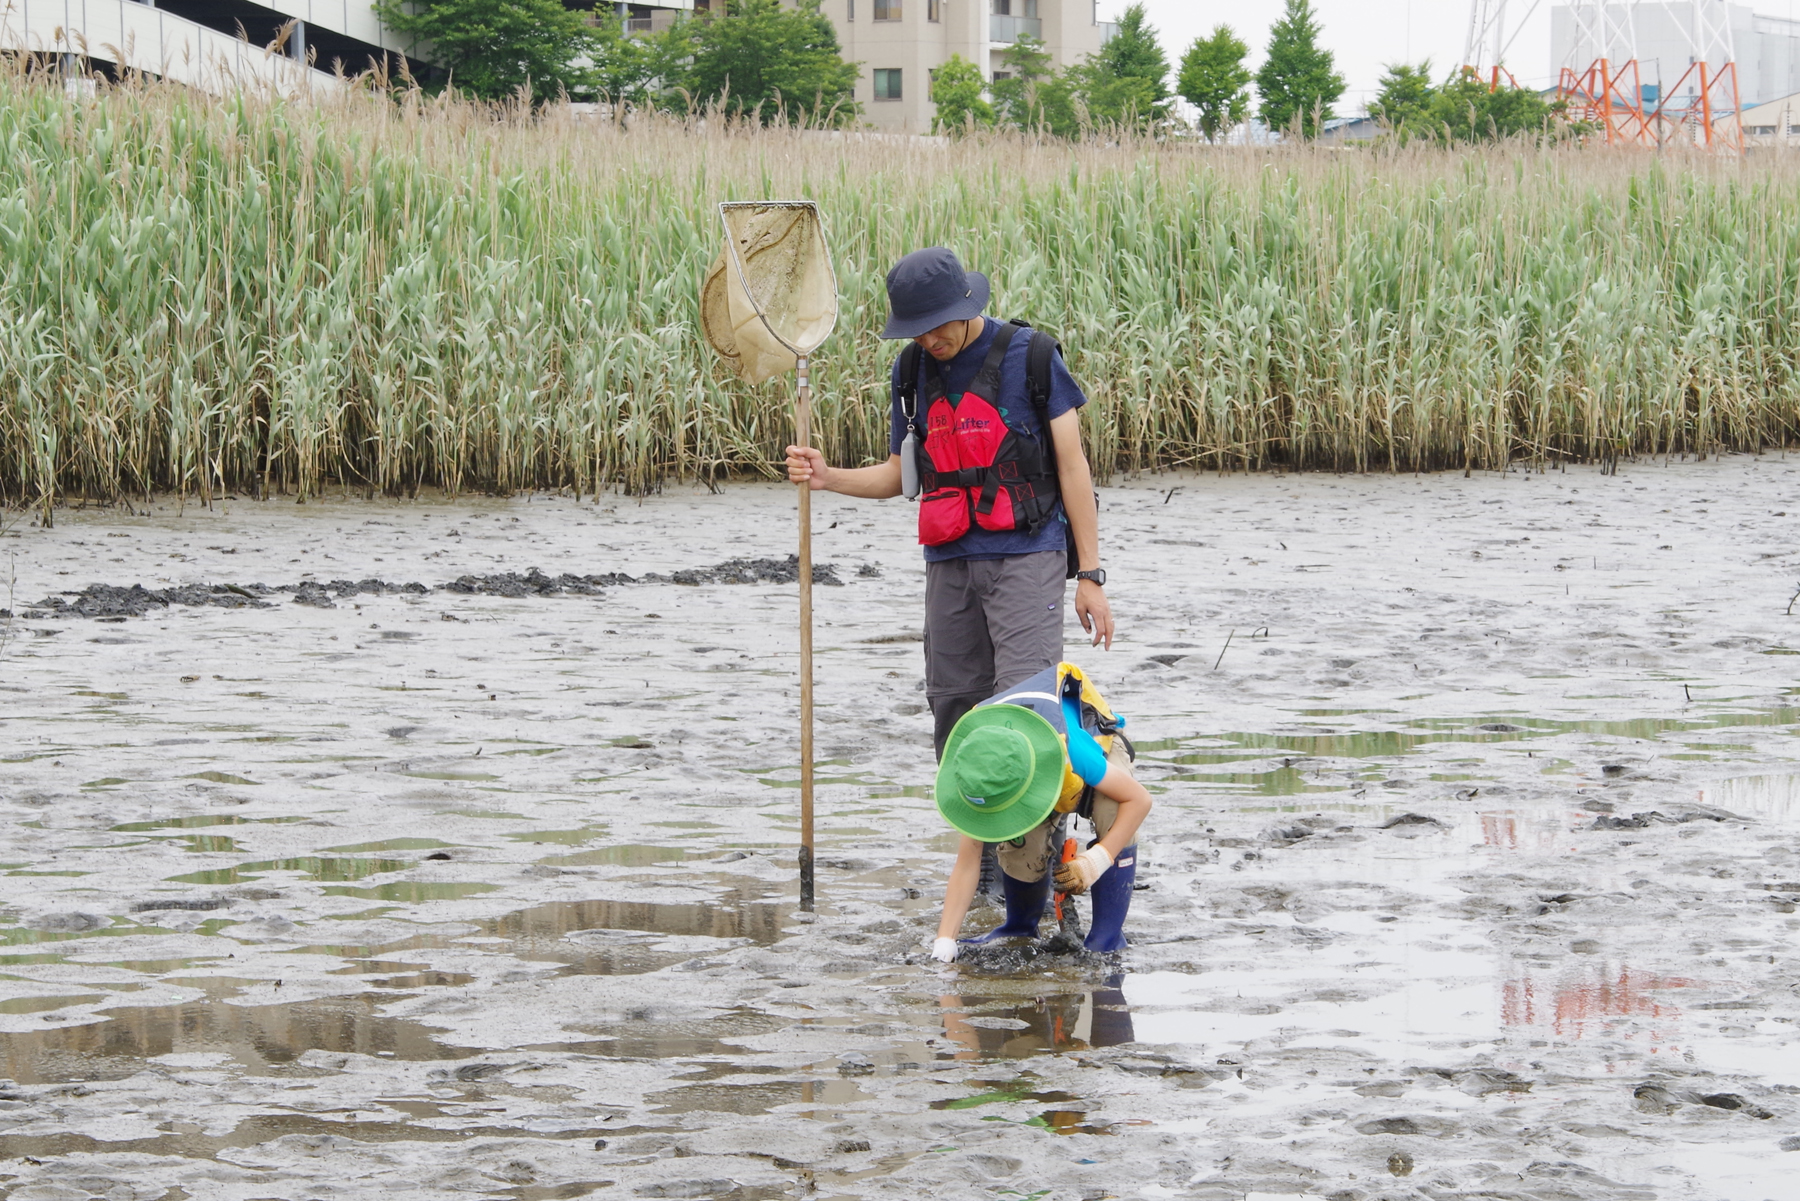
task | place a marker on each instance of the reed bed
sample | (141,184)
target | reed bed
(201,295)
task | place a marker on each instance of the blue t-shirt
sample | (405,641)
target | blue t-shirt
(1014,403)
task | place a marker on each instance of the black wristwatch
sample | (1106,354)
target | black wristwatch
(1098,576)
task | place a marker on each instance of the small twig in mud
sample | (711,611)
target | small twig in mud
(1686,693)
(1260,632)
(1223,649)
(1171,492)
(6,622)
(1791,600)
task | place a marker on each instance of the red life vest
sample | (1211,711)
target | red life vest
(974,467)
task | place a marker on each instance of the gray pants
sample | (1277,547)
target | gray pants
(989,623)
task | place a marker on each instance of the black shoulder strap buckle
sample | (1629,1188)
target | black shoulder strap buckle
(909,381)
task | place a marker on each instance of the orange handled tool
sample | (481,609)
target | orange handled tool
(1069,852)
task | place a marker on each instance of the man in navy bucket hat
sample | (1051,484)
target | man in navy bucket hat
(986,435)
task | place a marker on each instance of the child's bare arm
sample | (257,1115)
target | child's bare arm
(959,893)
(1134,806)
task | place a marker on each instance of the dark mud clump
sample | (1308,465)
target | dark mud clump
(310,593)
(535,583)
(112,602)
(751,571)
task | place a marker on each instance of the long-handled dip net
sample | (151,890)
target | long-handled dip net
(767,302)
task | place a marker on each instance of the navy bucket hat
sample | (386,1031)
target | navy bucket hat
(928,288)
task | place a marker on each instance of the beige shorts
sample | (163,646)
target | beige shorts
(1027,858)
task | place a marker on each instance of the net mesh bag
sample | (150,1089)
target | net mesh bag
(786,302)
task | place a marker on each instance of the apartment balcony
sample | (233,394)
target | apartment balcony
(659,20)
(1007,30)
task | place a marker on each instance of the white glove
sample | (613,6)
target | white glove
(1078,874)
(944,950)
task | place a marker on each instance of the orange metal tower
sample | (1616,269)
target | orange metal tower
(1702,108)
(1484,54)
(1600,82)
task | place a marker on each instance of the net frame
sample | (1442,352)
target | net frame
(813,255)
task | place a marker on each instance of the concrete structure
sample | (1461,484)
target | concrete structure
(898,43)
(1768,49)
(118,36)
(1774,124)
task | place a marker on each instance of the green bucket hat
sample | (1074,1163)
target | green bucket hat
(1001,774)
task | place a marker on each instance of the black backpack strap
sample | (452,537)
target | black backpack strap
(1037,371)
(989,372)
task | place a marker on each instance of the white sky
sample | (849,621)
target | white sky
(1364,35)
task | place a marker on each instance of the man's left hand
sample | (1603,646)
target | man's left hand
(1093,611)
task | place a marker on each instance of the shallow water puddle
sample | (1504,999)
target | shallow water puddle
(1298,749)
(336,868)
(755,1098)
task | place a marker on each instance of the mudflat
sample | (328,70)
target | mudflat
(372,849)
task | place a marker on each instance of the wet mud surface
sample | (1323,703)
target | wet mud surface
(1474,870)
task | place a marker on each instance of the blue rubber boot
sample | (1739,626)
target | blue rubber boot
(1024,909)
(1111,895)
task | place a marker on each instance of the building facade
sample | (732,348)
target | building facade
(900,44)
(1773,125)
(1767,47)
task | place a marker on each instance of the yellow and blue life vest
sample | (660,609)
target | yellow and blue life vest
(1055,694)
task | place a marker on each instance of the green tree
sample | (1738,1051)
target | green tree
(1033,97)
(1404,102)
(956,90)
(1127,82)
(1026,64)
(1466,109)
(492,48)
(622,68)
(761,57)
(1215,80)
(1297,79)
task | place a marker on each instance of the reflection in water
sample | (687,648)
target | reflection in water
(1774,798)
(1534,830)
(261,1037)
(540,932)
(261,1128)
(991,1027)
(1594,1000)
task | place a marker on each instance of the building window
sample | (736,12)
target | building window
(934,10)
(887,82)
(849,10)
(887,10)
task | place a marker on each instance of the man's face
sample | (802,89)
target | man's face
(945,341)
